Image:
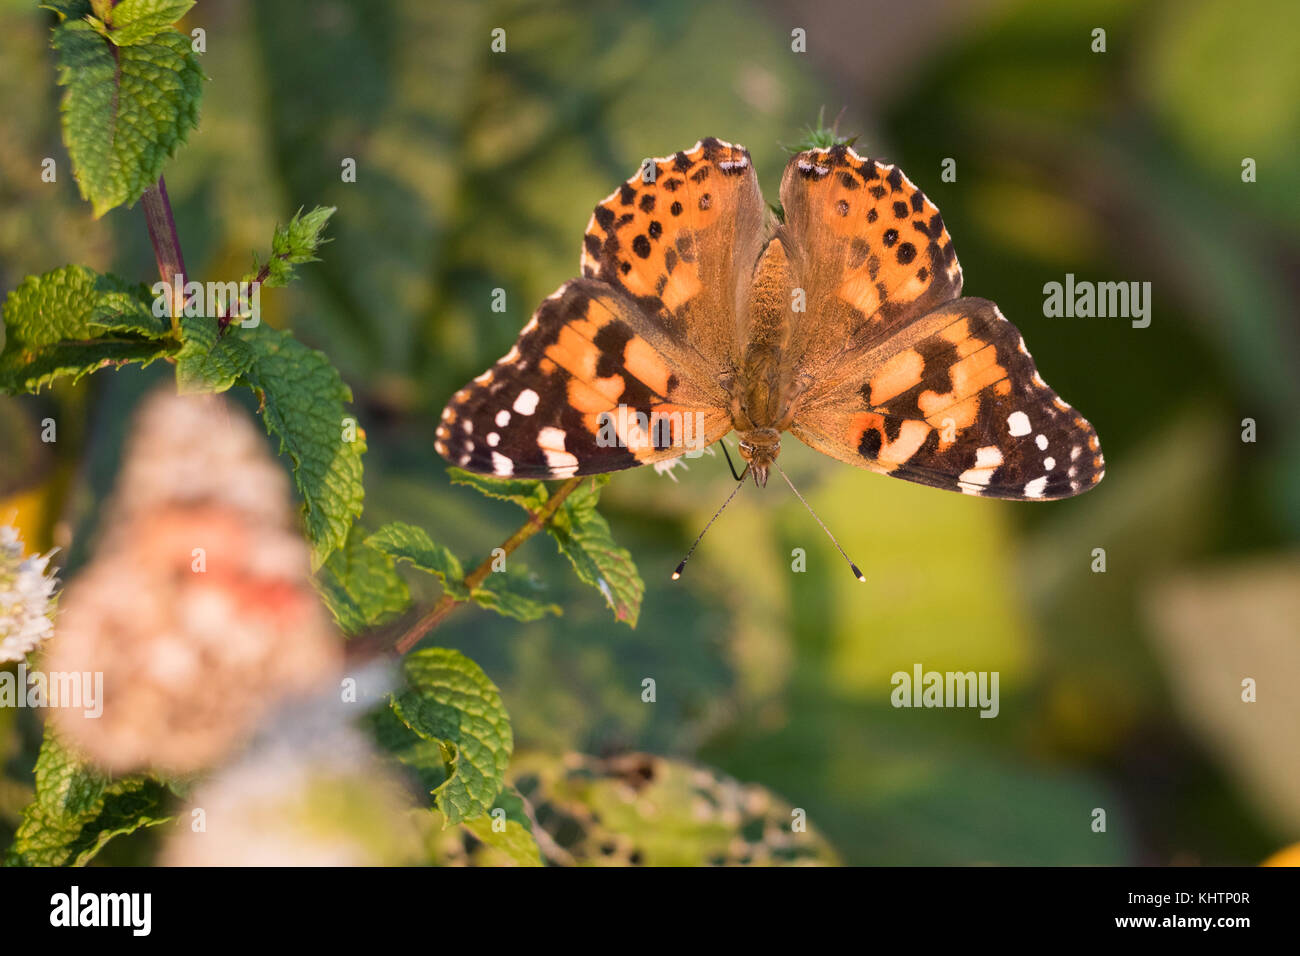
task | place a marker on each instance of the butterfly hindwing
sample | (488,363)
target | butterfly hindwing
(956,402)
(582,392)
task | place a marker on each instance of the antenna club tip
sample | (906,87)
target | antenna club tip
(677,573)
(857,572)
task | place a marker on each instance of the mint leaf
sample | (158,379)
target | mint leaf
(68,9)
(304,404)
(134,21)
(125,109)
(53,326)
(515,836)
(361,586)
(130,310)
(580,532)
(77,810)
(583,536)
(208,361)
(405,542)
(451,702)
(513,593)
(530,495)
(294,244)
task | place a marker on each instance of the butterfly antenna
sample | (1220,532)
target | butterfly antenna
(739,484)
(852,567)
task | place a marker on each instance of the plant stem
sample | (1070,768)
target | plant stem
(447,604)
(166,244)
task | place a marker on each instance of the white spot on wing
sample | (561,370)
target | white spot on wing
(526,403)
(503,418)
(1035,488)
(501,465)
(1018,424)
(1041,442)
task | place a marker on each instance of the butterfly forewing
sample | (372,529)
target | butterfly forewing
(680,238)
(871,253)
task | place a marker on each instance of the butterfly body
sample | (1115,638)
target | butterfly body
(697,314)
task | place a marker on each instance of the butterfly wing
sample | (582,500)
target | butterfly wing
(896,373)
(583,391)
(683,248)
(622,367)
(954,401)
(868,249)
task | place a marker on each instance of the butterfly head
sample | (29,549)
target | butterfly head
(759,447)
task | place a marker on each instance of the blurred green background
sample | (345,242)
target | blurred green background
(1120,690)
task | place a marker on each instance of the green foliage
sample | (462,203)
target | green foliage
(405,542)
(55,325)
(529,495)
(512,836)
(134,21)
(361,586)
(295,243)
(456,726)
(820,136)
(77,810)
(304,404)
(209,361)
(581,533)
(513,592)
(583,536)
(638,809)
(128,104)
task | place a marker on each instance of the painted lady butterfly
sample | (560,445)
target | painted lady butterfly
(843,324)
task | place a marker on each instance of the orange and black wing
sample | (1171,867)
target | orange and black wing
(894,372)
(582,392)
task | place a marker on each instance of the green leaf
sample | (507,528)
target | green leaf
(293,244)
(510,593)
(208,361)
(135,21)
(451,702)
(130,310)
(125,110)
(53,326)
(513,593)
(512,833)
(361,586)
(583,536)
(580,531)
(304,403)
(647,810)
(77,810)
(530,495)
(405,542)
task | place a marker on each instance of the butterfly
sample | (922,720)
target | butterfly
(699,312)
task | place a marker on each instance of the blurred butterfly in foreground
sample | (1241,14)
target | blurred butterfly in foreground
(698,313)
